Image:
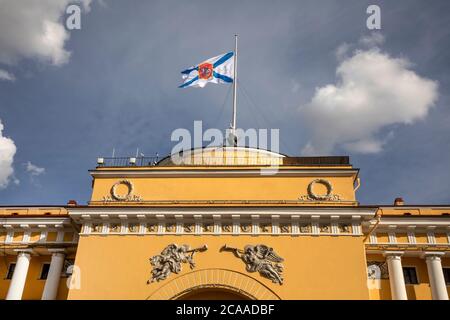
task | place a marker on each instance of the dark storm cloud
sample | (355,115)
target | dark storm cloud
(119,88)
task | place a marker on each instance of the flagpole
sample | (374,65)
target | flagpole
(233,126)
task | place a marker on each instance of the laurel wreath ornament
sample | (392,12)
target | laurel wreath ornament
(315,196)
(312,196)
(122,197)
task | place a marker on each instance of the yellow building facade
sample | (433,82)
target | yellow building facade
(225,223)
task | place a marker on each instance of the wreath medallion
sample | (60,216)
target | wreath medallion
(129,196)
(315,196)
(122,197)
(328,196)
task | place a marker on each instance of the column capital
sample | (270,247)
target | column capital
(57,250)
(393,254)
(23,251)
(432,255)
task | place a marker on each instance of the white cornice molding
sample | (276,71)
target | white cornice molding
(222,173)
(78,214)
(34,222)
(409,222)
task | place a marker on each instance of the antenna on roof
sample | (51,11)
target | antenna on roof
(113,152)
(137,152)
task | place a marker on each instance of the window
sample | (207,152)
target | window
(10,272)
(447,276)
(68,268)
(44,271)
(410,275)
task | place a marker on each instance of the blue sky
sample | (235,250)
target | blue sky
(118,88)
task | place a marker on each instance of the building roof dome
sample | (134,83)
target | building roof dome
(223,155)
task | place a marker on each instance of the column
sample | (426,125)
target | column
(17,284)
(54,274)
(436,275)
(396,279)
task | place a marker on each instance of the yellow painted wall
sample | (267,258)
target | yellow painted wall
(441,238)
(421,238)
(33,211)
(117,267)
(401,238)
(18,236)
(223,188)
(51,236)
(382,238)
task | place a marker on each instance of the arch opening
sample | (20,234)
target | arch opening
(211,293)
(215,283)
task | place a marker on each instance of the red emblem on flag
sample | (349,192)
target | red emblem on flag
(205,71)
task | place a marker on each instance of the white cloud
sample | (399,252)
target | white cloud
(34,29)
(7,152)
(342,51)
(34,170)
(374,39)
(5,75)
(373,90)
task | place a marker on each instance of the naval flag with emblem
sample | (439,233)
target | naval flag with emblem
(219,69)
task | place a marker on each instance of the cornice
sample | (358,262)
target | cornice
(277,171)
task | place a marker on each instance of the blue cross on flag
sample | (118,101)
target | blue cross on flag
(219,69)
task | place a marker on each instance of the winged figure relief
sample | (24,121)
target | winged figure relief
(260,258)
(171,259)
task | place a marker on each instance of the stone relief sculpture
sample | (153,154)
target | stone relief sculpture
(171,259)
(129,196)
(312,196)
(260,258)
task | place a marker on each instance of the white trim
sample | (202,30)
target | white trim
(315,225)
(356,225)
(295,225)
(415,221)
(161,226)
(123,227)
(430,237)
(411,237)
(105,228)
(235,225)
(59,236)
(85,231)
(141,230)
(161,172)
(275,224)
(179,226)
(334,225)
(26,236)
(132,212)
(26,223)
(43,236)
(392,237)
(255,224)
(198,230)
(217,224)
(9,236)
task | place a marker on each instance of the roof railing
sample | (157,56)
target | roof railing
(201,160)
